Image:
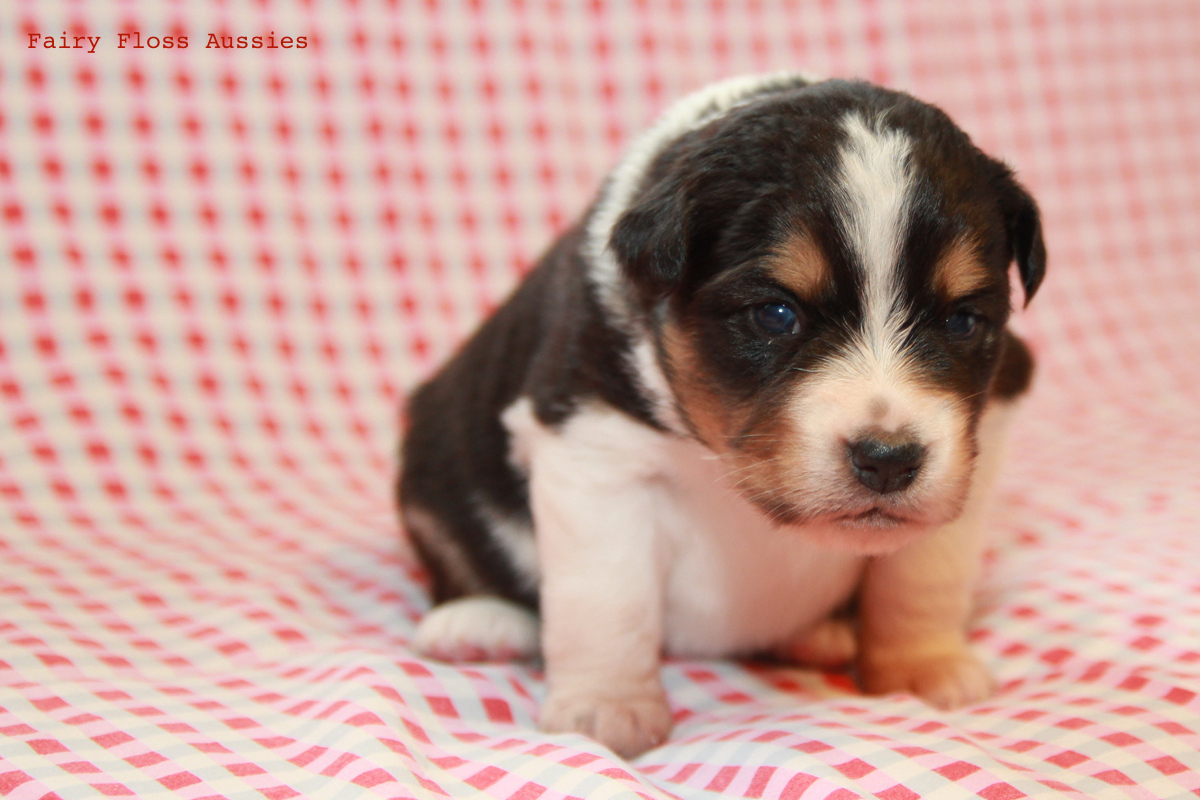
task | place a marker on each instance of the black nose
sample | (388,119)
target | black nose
(884,467)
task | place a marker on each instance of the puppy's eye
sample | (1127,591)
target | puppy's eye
(963,324)
(777,319)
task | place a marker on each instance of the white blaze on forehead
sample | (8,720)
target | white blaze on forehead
(872,384)
(875,183)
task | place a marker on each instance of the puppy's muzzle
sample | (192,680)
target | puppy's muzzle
(885,466)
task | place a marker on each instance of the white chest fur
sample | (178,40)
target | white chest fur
(653,519)
(736,582)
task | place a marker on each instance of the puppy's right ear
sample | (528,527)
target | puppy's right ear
(1024,224)
(650,240)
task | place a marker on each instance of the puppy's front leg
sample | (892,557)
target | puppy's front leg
(601,597)
(915,603)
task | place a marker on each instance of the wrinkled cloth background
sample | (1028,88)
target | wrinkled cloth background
(220,271)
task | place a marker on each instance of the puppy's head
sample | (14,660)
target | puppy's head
(821,271)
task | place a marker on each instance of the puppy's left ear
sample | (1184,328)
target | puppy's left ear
(650,240)
(1024,224)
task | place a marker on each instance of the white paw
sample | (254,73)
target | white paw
(478,628)
(946,680)
(628,724)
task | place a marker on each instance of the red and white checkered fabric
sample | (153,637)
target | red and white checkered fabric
(221,269)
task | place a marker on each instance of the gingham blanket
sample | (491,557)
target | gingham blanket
(220,269)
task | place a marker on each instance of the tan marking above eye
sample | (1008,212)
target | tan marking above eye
(799,265)
(959,272)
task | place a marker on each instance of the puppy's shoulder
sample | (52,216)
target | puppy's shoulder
(582,355)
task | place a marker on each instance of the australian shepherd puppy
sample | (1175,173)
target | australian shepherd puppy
(766,377)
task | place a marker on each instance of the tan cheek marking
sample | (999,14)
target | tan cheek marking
(799,265)
(716,420)
(701,408)
(959,272)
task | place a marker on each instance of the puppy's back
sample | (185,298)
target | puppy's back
(463,501)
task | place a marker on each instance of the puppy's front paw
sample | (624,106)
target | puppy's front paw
(629,724)
(944,680)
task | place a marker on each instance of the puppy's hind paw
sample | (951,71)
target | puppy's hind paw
(628,724)
(943,680)
(830,644)
(478,628)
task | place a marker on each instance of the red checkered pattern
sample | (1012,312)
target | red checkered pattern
(221,269)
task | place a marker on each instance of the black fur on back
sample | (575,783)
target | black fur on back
(550,342)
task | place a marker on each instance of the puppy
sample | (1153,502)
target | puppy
(767,375)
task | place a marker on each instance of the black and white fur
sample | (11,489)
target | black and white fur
(624,462)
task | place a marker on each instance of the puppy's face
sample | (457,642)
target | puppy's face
(824,274)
